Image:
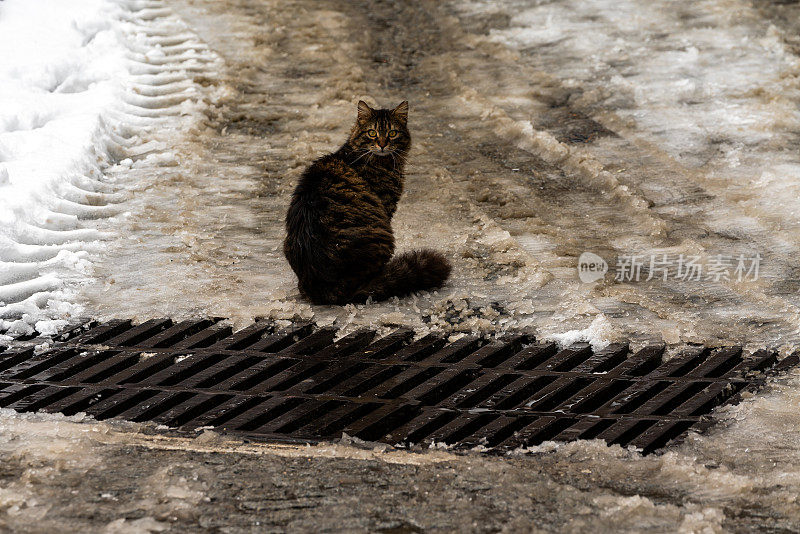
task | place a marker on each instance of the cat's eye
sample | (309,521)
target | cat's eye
(392,133)
(372,133)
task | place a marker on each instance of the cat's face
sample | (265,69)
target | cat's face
(381,132)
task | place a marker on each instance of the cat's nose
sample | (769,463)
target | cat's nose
(382,143)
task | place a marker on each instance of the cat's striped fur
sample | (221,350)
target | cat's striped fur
(339,238)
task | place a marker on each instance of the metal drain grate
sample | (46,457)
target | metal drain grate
(299,384)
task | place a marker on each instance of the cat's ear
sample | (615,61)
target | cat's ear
(401,111)
(364,111)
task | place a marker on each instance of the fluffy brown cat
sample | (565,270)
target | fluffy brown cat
(339,238)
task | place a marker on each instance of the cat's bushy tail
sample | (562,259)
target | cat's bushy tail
(408,272)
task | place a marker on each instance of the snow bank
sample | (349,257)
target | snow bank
(69,111)
(61,78)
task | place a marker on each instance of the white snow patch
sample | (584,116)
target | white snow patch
(70,108)
(61,79)
(598,334)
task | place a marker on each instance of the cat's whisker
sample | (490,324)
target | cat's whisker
(366,151)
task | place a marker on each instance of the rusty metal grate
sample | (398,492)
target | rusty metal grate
(300,384)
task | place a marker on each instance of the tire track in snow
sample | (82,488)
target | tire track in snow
(47,248)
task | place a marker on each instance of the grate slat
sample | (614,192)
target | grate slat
(104,369)
(670,399)
(299,416)
(14,357)
(518,393)
(117,404)
(80,363)
(704,401)
(371,377)
(538,430)
(346,346)
(495,431)
(483,387)
(217,416)
(683,364)
(187,410)
(660,434)
(533,356)
(254,376)
(718,363)
(420,349)
(206,373)
(139,334)
(556,393)
(331,424)
(205,338)
(622,430)
(184,368)
(39,398)
(419,427)
(81,400)
(282,339)
(492,354)
(567,359)
(334,375)
(445,384)
(245,337)
(451,353)
(758,362)
(604,359)
(787,363)
(176,333)
(99,334)
(312,343)
(591,398)
(382,421)
(40,364)
(154,406)
(388,345)
(307,383)
(640,363)
(462,426)
(584,428)
(403,382)
(256,418)
(634,396)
